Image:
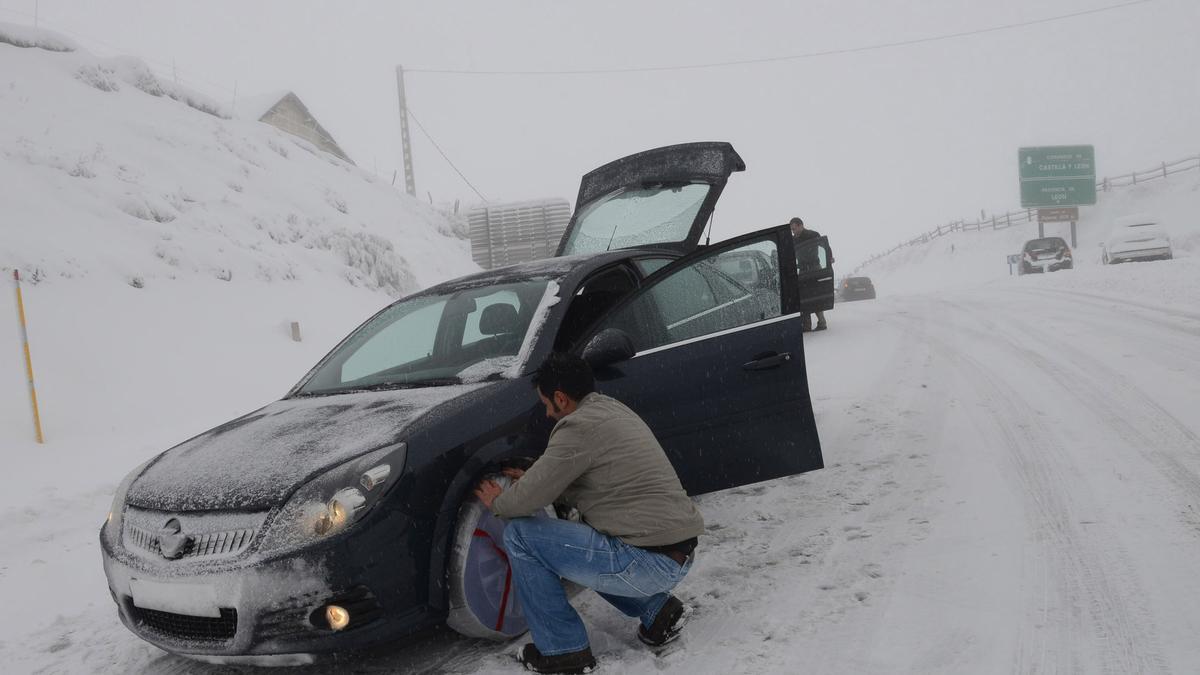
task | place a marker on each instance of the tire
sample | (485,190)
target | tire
(483,600)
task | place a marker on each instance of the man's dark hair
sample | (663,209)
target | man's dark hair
(795,221)
(564,372)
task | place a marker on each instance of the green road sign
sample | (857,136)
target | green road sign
(1057,175)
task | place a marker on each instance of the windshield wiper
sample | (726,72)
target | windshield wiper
(384,386)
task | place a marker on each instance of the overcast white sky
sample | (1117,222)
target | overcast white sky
(870,148)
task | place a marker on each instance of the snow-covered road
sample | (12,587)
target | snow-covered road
(1012,485)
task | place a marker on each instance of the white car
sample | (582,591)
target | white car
(1136,238)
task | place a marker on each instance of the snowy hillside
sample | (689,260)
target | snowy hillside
(979,257)
(129,201)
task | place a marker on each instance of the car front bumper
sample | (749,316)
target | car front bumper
(259,611)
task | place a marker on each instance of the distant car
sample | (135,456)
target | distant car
(1048,254)
(1136,238)
(856,288)
(340,518)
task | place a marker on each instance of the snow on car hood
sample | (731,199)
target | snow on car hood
(258,460)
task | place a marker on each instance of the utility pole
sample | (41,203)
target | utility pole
(410,183)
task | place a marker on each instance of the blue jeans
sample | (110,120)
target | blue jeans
(542,551)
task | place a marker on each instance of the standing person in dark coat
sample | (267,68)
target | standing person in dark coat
(807,261)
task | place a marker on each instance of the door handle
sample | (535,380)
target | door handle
(767,361)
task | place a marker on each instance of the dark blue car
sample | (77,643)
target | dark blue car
(340,517)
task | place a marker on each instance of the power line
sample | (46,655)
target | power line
(443,154)
(792,57)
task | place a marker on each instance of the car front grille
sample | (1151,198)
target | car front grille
(186,627)
(207,544)
(208,533)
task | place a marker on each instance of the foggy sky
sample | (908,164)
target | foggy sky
(869,148)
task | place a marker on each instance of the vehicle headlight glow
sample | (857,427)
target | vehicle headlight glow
(334,500)
(340,511)
(337,617)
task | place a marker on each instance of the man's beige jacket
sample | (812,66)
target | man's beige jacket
(603,460)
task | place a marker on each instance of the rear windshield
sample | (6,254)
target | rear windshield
(1044,244)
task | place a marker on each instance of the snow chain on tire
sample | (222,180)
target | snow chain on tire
(483,601)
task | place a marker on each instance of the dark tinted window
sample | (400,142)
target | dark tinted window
(1045,244)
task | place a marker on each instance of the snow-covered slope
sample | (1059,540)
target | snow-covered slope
(141,216)
(979,257)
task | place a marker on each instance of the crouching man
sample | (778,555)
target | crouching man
(638,535)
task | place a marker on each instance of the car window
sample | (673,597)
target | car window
(1044,244)
(461,335)
(472,332)
(648,266)
(811,256)
(700,299)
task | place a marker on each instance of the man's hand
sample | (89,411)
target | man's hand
(487,491)
(514,473)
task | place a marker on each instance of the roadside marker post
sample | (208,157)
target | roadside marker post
(1013,259)
(37,419)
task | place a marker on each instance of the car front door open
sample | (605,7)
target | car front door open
(718,368)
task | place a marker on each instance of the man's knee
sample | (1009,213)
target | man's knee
(514,531)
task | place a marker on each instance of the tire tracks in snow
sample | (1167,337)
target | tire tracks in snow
(1114,620)
(1161,438)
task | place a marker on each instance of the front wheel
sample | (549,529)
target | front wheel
(483,599)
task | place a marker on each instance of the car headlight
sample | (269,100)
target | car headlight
(116,512)
(333,501)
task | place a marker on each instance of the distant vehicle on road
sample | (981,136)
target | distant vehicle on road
(1048,254)
(1136,238)
(856,288)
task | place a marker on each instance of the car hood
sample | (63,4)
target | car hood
(256,461)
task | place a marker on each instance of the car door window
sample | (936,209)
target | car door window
(700,298)
(472,332)
(648,266)
(811,256)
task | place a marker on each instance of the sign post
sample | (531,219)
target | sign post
(1013,259)
(1062,214)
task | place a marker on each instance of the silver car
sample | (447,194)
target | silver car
(1136,238)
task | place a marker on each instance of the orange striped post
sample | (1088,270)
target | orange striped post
(37,419)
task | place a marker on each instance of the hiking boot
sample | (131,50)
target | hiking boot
(578,662)
(667,625)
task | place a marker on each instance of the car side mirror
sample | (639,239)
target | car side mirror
(609,346)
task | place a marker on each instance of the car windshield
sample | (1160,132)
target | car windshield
(661,214)
(468,335)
